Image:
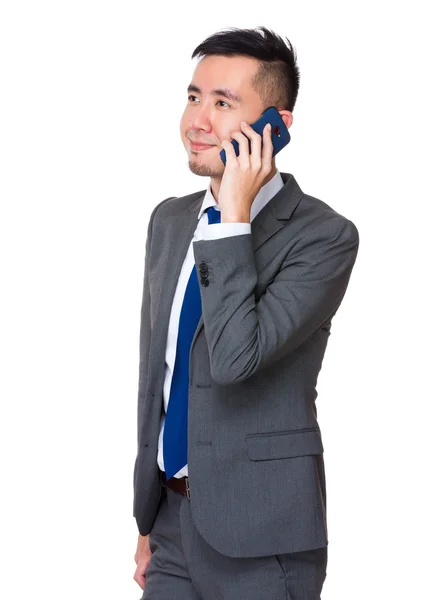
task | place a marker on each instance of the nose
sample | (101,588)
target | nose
(201,120)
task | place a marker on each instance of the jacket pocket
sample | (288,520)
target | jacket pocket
(284,444)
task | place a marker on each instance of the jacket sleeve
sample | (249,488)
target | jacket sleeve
(245,335)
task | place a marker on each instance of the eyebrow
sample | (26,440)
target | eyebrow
(225,92)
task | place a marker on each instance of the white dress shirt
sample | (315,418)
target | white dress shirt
(203,231)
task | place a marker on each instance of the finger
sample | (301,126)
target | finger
(256,143)
(242,140)
(140,574)
(231,158)
(267,152)
(139,579)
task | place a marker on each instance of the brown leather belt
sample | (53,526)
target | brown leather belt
(180,485)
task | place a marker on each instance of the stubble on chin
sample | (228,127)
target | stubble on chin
(203,170)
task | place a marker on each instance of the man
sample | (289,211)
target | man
(241,283)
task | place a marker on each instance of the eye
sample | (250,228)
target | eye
(191,96)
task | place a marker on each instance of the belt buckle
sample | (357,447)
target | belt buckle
(187,488)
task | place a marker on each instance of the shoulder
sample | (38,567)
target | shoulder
(316,217)
(175,205)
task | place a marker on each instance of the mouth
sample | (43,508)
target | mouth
(200,147)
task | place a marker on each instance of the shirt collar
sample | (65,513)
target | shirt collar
(266,193)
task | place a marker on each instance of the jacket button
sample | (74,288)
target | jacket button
(205,282)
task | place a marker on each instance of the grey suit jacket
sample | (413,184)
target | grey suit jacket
(255,452)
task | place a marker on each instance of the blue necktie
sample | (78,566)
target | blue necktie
(175,428)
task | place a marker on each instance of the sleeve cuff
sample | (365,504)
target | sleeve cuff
(220,230)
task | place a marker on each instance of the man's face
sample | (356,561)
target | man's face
(210,117)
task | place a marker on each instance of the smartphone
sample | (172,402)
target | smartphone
(280,133)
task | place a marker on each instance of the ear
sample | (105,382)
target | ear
(286,117)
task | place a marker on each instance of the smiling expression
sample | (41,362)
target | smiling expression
(220,96)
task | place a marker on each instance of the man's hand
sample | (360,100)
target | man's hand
(245,174)
(142,559)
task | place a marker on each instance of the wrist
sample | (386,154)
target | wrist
(235,217)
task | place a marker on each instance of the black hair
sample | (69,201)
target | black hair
(278,77)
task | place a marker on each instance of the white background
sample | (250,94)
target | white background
(91,97)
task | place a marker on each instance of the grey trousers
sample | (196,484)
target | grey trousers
(184,566)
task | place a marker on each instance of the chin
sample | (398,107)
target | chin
(205,170)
